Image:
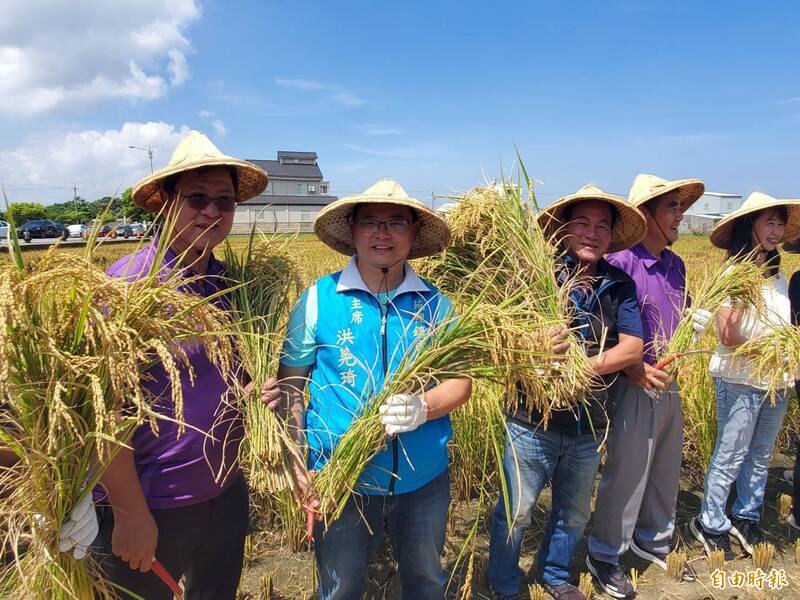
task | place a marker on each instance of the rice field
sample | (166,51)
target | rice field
(278,559)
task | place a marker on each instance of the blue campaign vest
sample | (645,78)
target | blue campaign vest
(349,367)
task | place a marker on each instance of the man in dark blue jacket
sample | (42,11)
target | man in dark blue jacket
(565,450)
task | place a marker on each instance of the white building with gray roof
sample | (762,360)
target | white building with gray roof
(296,192)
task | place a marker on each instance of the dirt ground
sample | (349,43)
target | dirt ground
(293,574)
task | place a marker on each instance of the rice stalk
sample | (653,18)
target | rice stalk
(716,560)
(266,587)
(77,345)
(676,562)
(635,578)
(762,555)
(586,585)
(465,593)
(264,285)
(785,506)
(699,406)
(773,357)
(797,551)
(739,281)
(467,346)
(536,592)
(495,229)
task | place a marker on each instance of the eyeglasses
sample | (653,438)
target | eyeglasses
(201,201)
(392,225)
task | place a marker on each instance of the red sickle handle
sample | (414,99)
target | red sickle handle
(668,361)
(168,580)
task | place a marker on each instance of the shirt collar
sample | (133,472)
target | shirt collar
(649,260)
(351,279)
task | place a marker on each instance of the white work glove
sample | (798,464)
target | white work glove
(80,529)
(403,412)
(700,320)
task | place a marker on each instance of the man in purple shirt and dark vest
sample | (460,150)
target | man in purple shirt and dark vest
(182,498)
(638,492)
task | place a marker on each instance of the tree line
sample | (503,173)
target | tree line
(78,210)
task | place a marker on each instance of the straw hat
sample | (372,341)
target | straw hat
(722,232)
(193,152)
(332,225)
(646,187)
(630,227)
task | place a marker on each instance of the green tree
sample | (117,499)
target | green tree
(26,211)
(130,211)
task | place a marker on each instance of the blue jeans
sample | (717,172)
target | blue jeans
(747,425)
(416,523)
(532,458)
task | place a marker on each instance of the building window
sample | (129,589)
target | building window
(705,206)
(312,189)
(269,188)
(730,204)
(323,189)
(300,189)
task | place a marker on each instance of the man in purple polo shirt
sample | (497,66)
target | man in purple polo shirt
(638,492)
(183,498)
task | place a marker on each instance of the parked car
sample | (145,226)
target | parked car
(138,229)
(77,230)
(104,231)
(124,231)
(3,229)
(41,228)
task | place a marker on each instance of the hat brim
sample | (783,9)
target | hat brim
(723,231)
(629,229)
(149,193)
(332,225)
(689,192)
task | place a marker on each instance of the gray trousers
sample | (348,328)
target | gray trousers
(638,491)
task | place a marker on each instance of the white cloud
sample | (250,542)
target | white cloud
(81,53)
(336,93)
(788,101)
(422,151)
(178,68)
(216,123)
(100,163)
(374,130)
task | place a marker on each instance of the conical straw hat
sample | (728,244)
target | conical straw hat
(630,227)
(723,231)
(193,152)
(646,187)
(332,225)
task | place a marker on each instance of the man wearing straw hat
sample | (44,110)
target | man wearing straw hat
(636,500)
(347,334)
(565,451)
(182,498)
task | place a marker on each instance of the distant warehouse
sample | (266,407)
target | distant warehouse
(296,192)
(708,211)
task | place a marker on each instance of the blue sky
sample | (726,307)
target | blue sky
(433,94)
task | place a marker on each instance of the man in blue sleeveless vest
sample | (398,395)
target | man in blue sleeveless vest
(565,451)
(347,334)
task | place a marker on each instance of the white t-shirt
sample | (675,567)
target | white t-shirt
(777,314)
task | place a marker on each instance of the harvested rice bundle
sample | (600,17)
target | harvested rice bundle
(496,231)
(265,285)
(736,280)
(76,345)
(774,357)
(459,347)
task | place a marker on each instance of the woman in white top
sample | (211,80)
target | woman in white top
(747,420)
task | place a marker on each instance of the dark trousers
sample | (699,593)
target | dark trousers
(204,542)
